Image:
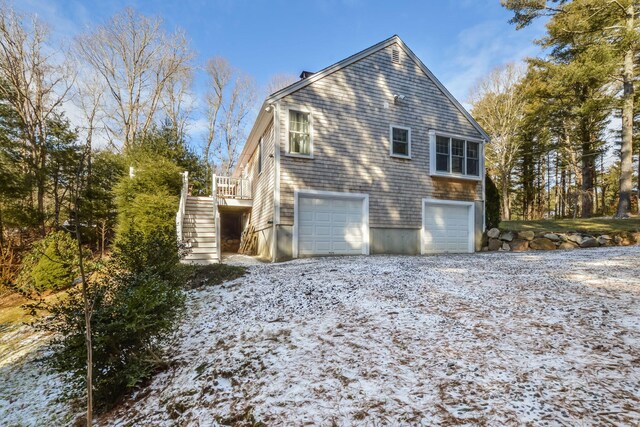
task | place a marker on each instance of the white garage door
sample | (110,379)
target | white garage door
(447,227)
(330,225)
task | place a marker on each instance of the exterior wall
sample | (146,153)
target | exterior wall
(352,111)
(394,241)
(262,190)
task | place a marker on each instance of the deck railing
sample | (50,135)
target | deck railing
(231,188)
(183,202)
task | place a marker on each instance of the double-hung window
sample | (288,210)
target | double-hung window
(456,156)
(299,133)
(400,142)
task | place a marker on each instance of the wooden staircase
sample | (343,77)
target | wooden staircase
(199,231)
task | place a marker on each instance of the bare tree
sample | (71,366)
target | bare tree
(177,102)
(229,100)
(35,81)
(498,105)
(137,61)
(280,81)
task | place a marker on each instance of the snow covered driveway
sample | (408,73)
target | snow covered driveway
(546,338)
(538,338)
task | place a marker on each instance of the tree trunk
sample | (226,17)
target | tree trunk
(504,190)
(626,151)
(586,193)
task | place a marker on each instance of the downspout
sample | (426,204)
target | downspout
(276,184)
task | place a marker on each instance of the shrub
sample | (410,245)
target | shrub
(148,202)
(492,203)
(136,301)
(52,264)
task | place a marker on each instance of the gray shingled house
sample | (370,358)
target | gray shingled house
(370,155)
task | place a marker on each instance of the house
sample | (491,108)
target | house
(371,155)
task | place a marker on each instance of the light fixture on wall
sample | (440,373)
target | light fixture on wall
(397,99)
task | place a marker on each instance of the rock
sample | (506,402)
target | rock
(604,240)
(552,236)
(485,249)
(494,244)
(617,240)
(542,244)
(507,236)
(567,245)
(589,242)
(575,238)
(526,235)
(519,245)
(635,236)
(493,233)
(563,237)
(506,247)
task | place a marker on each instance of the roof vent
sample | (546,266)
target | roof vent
(395,56)
(305,74)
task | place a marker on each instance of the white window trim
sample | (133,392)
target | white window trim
(471,247)
(391,153)
(304,110)
(331,194)
(432,156)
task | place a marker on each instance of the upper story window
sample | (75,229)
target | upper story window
(455,156)
(400,142)
(299,133)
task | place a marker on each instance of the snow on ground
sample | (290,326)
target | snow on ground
(539,338)
(30,393)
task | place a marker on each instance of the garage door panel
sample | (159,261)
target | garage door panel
(330,225)
(446,228)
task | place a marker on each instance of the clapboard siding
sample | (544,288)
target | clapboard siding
(262,184)
(351,139)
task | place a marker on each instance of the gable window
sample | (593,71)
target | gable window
(299,133)
(260,156)
(400,142)
(455,156)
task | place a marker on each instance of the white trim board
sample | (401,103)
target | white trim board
(331,195)
(471,223)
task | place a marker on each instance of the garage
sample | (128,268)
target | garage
(447,226)
(329,223)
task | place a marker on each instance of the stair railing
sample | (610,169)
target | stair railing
(183,205)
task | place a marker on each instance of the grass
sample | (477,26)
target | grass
(589,225)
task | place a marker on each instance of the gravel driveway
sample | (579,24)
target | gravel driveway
(545,338)
(537,338)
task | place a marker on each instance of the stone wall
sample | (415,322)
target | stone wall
(520,241)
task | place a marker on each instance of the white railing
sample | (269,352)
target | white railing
(183,204)
(231,188)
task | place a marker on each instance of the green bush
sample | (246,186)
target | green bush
(136,303)
(148,202)
(492,203)
(52,264)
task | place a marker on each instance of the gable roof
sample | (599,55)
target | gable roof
(261,120)
(362,54)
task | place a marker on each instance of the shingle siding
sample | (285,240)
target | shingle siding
(262,183)
(351,139)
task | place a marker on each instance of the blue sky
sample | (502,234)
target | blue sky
(460,41)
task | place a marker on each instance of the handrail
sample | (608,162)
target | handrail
(183,204)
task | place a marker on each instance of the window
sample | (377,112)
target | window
(456,156)
(400,142)
(442,154)
(473,158)
(260,156)
(299,133)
